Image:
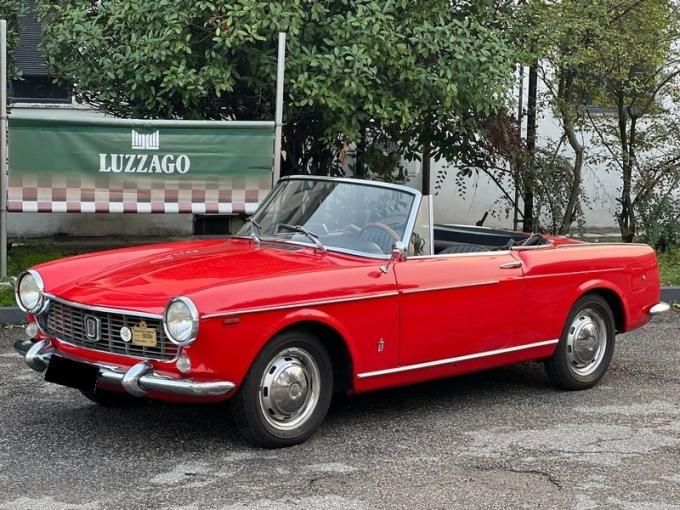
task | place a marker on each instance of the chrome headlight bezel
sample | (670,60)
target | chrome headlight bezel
(195,319)
(30,273)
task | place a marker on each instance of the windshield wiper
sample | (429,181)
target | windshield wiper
(302,230)
(257,236)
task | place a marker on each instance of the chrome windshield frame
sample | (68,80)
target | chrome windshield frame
(415,206)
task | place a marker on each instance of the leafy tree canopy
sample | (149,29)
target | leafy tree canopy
(398,68)
(597,49)
(11,10)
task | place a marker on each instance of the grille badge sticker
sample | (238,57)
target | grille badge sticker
(125,334)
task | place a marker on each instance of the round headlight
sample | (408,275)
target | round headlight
(180,321)
(29,291)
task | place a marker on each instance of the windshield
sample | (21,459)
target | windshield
(343,215)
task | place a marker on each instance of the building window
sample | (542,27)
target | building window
(35,85)
(37,89)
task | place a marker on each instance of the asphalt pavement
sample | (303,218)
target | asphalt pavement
(499,439)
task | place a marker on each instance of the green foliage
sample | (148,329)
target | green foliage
(413,72)
(636,72)
(21,258)
(11,10)
(669,266)
(659,216)
(613,54)
(385,162)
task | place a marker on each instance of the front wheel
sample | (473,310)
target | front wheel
(586,346)
(287,392)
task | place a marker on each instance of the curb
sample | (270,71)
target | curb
(670,294)
(11,315)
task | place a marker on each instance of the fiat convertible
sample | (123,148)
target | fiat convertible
(333,285)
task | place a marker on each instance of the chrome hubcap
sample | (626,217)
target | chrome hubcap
(289,390)
(586,342)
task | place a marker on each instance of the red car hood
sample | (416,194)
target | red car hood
(150,275)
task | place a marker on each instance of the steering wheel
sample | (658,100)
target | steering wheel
(382,226)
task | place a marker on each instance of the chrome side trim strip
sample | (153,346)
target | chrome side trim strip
(589,271)
(457,359)
(105,309)
(453,255)
(591,245)
(449,287)
(299,305)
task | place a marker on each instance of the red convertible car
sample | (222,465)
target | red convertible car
(334,285)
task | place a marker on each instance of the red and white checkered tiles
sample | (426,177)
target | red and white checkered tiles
(112,194)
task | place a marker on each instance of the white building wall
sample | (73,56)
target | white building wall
(600,186)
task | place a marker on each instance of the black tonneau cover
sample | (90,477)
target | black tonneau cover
(446,235)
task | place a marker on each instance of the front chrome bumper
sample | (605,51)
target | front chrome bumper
(659,308)
(137,380)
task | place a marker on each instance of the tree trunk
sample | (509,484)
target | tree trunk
(575,188)
(361,150)
(528,191)
(626,216)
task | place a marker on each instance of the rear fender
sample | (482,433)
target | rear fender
(601,284)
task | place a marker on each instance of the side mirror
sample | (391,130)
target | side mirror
(398,255)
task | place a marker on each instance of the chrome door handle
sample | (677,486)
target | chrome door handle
(512,265)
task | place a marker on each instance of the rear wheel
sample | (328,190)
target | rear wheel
(287,392)
(586,346)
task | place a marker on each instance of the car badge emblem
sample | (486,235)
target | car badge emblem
(92,328)
(126,334)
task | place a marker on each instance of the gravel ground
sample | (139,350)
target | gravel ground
(500,439)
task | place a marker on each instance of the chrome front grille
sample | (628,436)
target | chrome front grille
(66,322)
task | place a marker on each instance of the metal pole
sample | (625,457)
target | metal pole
(3,148)
(280,73)
(520,114)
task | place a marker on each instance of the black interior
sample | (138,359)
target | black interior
(464,239)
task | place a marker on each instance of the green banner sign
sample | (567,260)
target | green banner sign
(119,165)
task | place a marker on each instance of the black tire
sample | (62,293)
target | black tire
(248,404)
(563,367)
(108,398)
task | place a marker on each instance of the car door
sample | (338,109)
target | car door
(455,305)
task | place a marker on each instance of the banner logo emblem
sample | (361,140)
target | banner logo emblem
(150,142)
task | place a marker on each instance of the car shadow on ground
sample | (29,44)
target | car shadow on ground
(480,386)
(204,426)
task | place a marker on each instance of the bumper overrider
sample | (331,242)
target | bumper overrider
(137,380)
(659,308)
